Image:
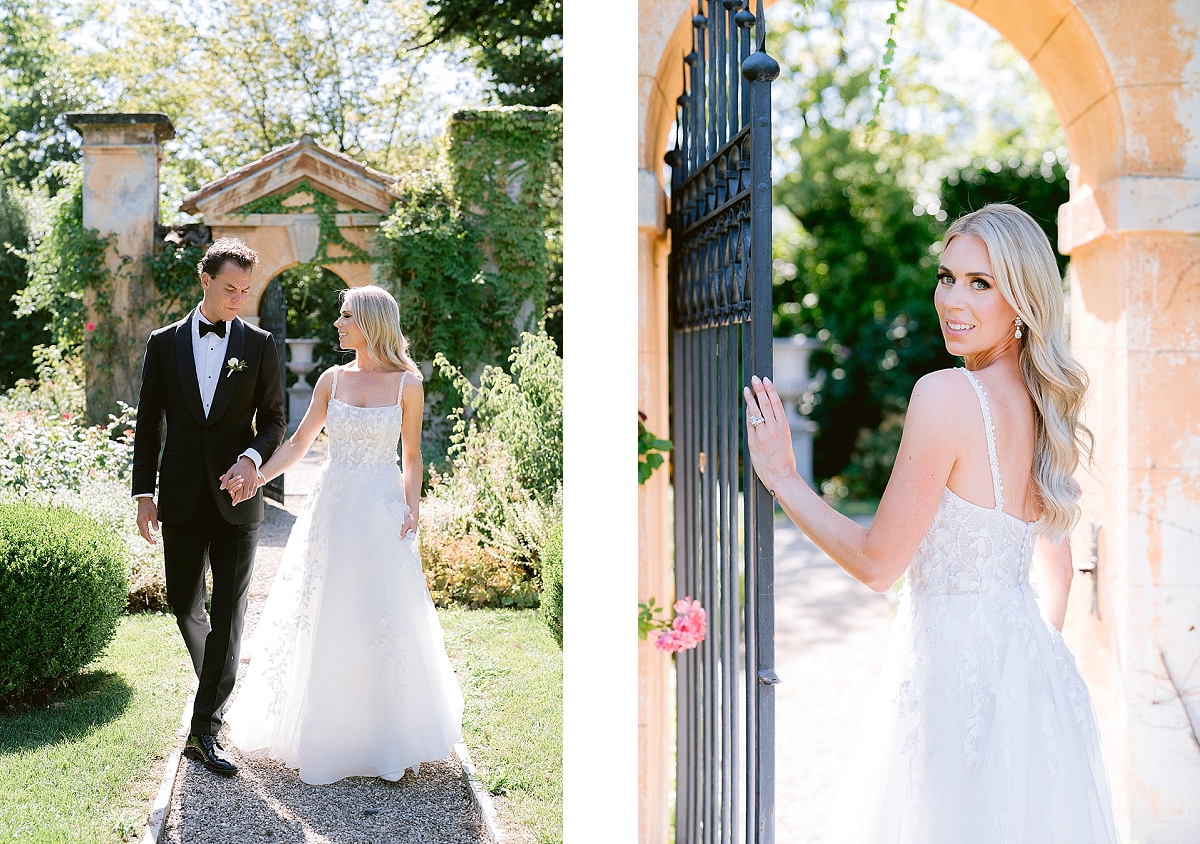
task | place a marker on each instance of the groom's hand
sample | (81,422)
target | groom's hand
(147,518)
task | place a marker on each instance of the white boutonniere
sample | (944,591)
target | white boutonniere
(235,365)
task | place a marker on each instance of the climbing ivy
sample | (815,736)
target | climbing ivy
(502,161)
(176,280)
(889,55)
(325,207)
(64,261)
(472,243)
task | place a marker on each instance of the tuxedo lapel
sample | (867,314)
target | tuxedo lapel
(186,361)
(228,379)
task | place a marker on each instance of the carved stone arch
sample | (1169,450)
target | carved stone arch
(275,205)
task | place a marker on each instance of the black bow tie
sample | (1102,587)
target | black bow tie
(217,328)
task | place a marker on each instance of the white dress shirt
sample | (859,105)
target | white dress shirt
(209,354)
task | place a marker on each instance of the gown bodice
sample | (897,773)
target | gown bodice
(973,549)
(363,436)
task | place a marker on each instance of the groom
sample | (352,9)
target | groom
(217,380)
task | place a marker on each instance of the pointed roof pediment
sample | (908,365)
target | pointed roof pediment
(354,185)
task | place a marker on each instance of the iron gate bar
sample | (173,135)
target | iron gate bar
(720,301)
(762,70)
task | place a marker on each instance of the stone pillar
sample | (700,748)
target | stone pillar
(1135,311)
(655,693)
(121,157)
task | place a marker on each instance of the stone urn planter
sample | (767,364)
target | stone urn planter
(791,378)
(300,393)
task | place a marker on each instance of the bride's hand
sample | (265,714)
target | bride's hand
(409,528)
(770,441)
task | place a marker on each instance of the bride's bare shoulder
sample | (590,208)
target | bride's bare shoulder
(940,399)
(944,385)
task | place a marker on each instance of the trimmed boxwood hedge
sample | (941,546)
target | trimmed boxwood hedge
(552,582)
(62,589)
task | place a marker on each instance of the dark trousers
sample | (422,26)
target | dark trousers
(214,640)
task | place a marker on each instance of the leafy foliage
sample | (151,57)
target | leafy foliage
(37,88)
(472,247)
(486,525)
(19,333)
(176,280)
(518,43)
(434,261)
(552,583)
(858,278)
(1036,183)
(504,164)
(65,259)
(50,457)
(523,409)
(650,451)
(62,588)
(263,72)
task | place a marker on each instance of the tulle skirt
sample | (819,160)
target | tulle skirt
(983,733)
(348,673)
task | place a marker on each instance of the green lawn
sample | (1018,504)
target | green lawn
(83,768)
(511,672)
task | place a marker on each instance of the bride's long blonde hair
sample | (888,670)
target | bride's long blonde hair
(1027,276)
(378,317)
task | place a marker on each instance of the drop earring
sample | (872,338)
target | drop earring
(1018,323)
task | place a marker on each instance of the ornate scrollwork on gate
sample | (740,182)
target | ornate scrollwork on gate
(720,301)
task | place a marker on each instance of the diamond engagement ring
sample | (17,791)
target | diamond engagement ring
(755,421)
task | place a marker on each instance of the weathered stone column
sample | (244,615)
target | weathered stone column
(121,157)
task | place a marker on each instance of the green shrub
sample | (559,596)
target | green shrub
(50,457)
(486,523)
(62,588)
(552,583)
(482,534)
(523,410)
(463,569)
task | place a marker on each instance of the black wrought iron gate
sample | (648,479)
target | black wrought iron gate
(720,298)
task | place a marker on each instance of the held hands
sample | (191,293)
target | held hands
(770,440)
(147,519)
(241,481)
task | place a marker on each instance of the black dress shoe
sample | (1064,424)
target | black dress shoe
(207,751)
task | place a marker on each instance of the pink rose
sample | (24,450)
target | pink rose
(669,641)
(687,630)
(91,326)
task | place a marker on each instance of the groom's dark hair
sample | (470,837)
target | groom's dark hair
(230,249)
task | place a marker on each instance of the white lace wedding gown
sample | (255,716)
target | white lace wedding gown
(348,674)
(983,732)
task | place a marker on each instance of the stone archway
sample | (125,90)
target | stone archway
(299,204)
(1122,77)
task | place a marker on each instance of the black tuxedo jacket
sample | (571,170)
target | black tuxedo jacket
(246,412)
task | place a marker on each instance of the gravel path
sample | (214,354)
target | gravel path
(831,633)
(267,802)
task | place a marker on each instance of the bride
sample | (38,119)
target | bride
(349,675)
(984,730)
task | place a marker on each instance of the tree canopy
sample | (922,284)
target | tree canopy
(517,42)
(36,88)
